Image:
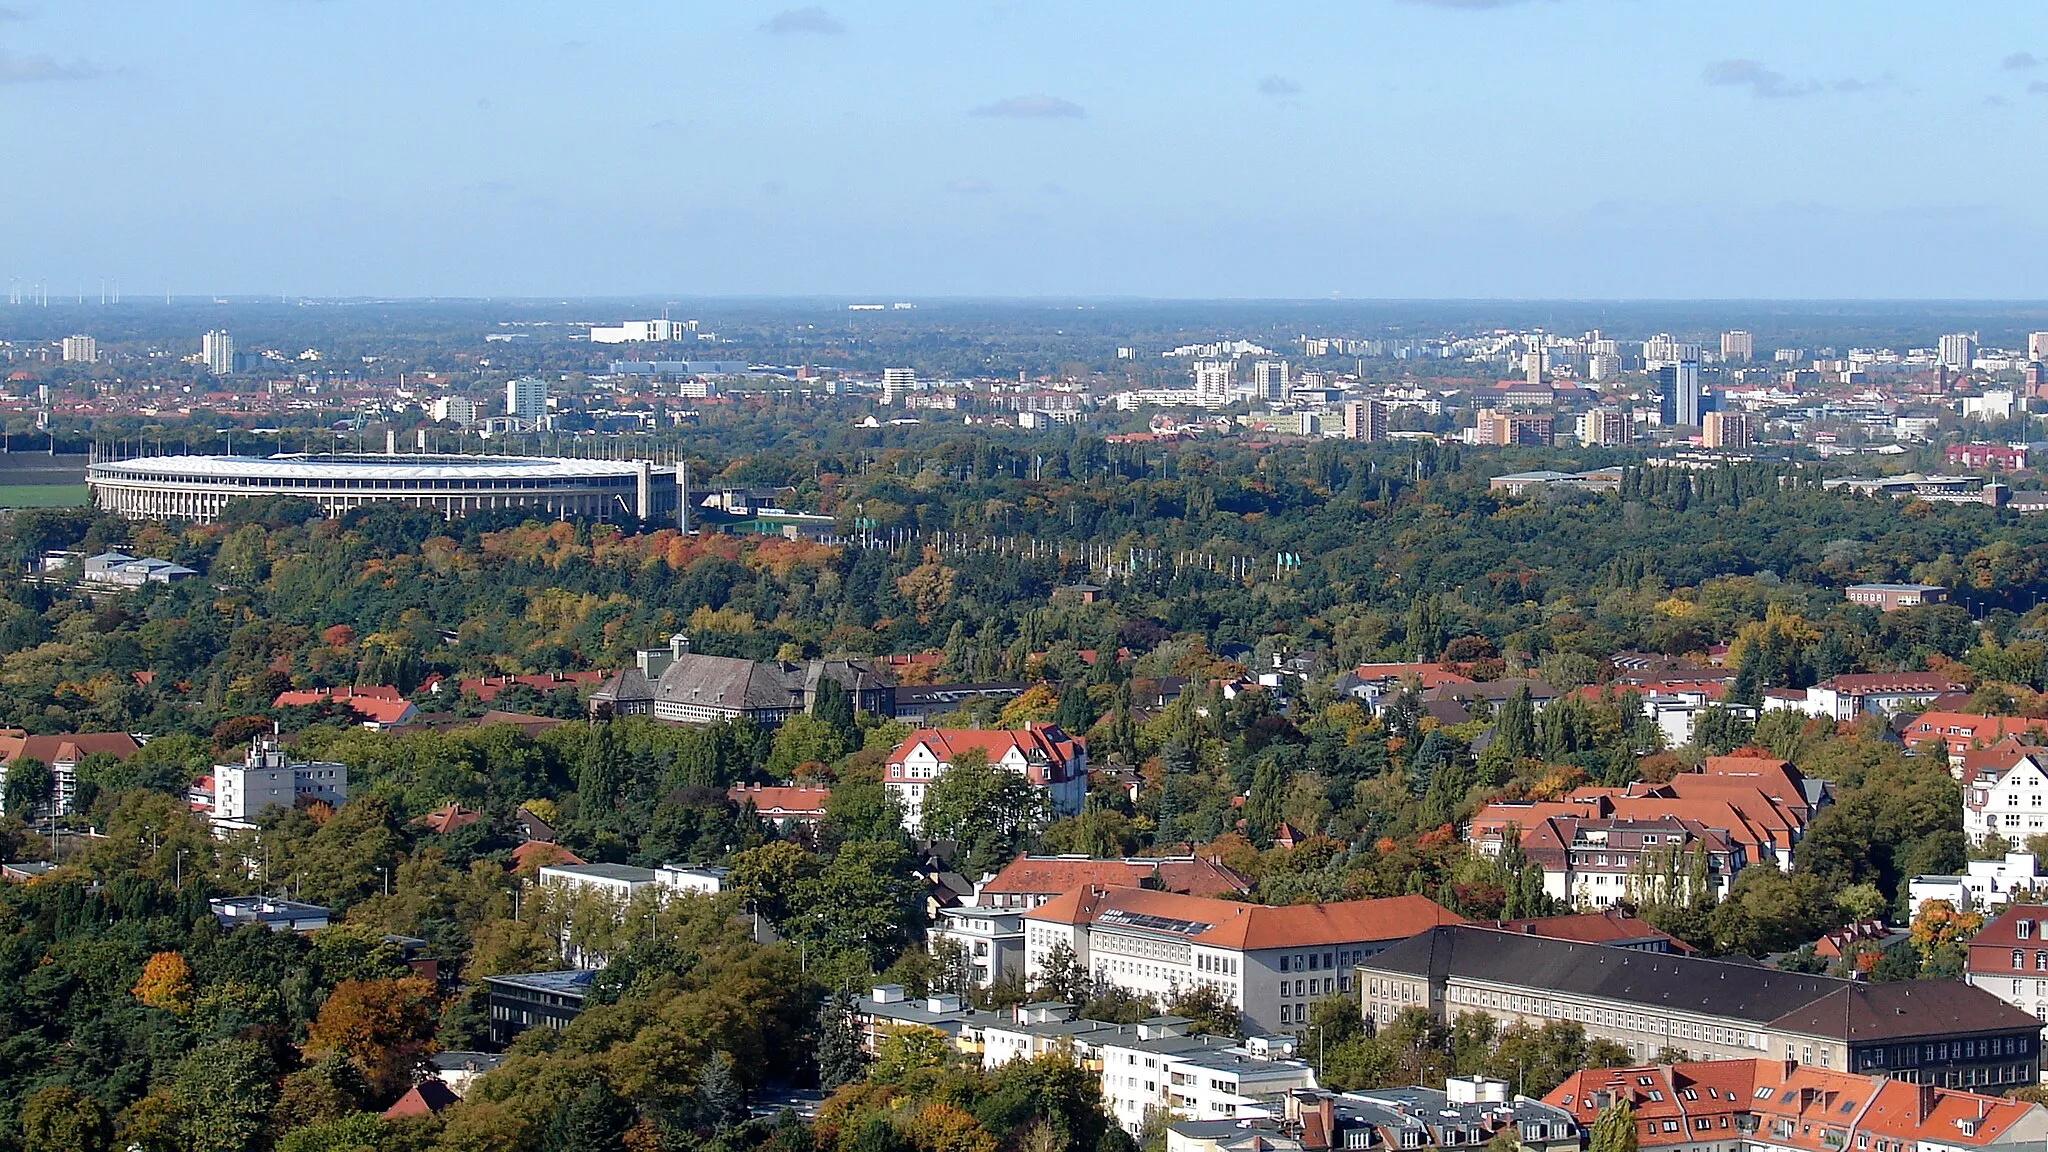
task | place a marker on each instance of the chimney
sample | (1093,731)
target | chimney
(1925,1101)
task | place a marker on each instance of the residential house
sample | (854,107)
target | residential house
(377,707)
(2003,786)
(784,805)
(268,779)
(1052,762)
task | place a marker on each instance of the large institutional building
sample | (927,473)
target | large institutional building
(1269,962)
(1937,1032)
(199,487)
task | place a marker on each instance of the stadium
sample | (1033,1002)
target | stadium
(197,488)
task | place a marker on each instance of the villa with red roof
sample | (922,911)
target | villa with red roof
(377,706)
(62,753)
(1271,962)
(1054,763)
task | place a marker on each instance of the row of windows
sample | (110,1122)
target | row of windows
(1314,961)
(361,484)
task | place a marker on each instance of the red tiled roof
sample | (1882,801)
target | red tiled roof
(540,854)
(303,697)
(1611,926)
(67,748)
(1255,926)
(448,819)
(486,688)
(1431,675)
(1869,683)
(426,1098)
(781,800)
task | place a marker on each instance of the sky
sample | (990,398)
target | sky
(1387,149)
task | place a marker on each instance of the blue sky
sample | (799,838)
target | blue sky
(1371,148)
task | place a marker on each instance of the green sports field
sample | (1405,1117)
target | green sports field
(41,495)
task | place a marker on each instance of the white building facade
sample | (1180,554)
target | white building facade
(267,780)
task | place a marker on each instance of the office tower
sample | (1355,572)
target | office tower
(1958,350)
(1365,421)
(1270,379)
(2037,346)
(217,351)
(1603,426)
(81,350)
(1686,380)
(526,398)
(897,383)
(1727,430)
(1212,383)
(1737,346)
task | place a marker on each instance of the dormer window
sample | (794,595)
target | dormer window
(2025,928)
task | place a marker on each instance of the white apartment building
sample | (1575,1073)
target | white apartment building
(266,780)
(1212,383)
(1055,764)
(1270,380)
(217,352)
(1737,346)
(81,350)
(897,385)
(526,398)
(1603,427)
(1271,963)
(1958,349)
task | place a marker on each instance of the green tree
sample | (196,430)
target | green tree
(28,787)
(721,1099)
(593,1120)
(225,1092)
(801,740)
(1614,1130)
(62,1119)
(840,1059)
(986,809)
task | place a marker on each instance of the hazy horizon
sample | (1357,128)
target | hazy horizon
(1386,149)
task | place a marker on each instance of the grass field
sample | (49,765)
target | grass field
(41,495)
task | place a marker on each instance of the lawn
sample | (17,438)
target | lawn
(41,495)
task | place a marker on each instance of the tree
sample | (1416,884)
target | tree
(594,1120)
(1208,1011)
(769,878)
(224,1091)
(721,1100)
(1614,1130)
(1076,712)
(1062,977)
(840,1059)
(28,787)
(384,1027)
(803,739)
(166,983)
(985,808)
(62,1119)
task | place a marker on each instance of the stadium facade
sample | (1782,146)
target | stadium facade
(197,488)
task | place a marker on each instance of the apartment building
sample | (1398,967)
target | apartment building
(2008,958)
(267,779)
(1269,962)
(1941,1032)
(1778,1106)
(62,753)
(2003,787)
(1054,763)
(1468,1112)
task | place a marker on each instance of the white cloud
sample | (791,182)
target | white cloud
(1033,107)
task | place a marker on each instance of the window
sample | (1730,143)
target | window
(2025,928)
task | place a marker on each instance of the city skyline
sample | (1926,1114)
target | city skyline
(1576,148)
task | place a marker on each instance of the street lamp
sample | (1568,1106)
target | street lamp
(1319,1050)
(385,872)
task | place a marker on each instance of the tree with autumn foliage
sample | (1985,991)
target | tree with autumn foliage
(166,983)
(384,1027)
(1939,934)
